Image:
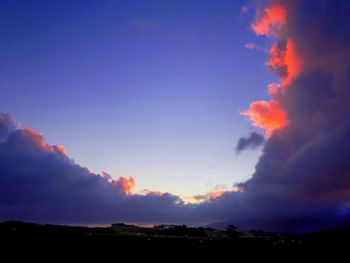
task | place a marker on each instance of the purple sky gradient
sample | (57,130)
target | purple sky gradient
(153,87)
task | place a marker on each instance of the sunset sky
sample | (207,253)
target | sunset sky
(187,112)
(150,89)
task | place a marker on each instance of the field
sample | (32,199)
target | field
(171,238)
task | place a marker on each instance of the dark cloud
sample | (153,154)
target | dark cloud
(301,182)
(304,174)
(40,183)
(253,141)
(7,125)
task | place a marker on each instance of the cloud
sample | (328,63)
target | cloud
(39,182)
(303,171)
(253,141)
(245,9)
(205,197)
(210,197)
(270,20)
(301,181)
(267,115)
(7,125)
(151,192)
(125,184)
(251,46)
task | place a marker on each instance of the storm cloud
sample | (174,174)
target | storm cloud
(301,182)
(304,169)
(40,183)
(302,179)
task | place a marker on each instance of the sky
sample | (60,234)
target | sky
(153,112)
(149,89)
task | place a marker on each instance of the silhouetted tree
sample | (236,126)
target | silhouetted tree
(231,231)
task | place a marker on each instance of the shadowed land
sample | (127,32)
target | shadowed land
(172,237)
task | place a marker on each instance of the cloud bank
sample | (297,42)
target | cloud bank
(39,182)
(304,170)
(301,182)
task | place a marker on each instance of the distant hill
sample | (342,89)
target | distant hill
(169,237)
(289,225)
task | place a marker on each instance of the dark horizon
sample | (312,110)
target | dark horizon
(164,111)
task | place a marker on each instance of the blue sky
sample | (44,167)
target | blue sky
(151,89)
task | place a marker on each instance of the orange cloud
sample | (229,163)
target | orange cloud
(293,62)
(283,59)
(286,60)
(125,183)
(271,19)
(274,89)
(210,195)
(276,59)
(215,194)
(267,115)
(270,23)
(58,148)
(38,139)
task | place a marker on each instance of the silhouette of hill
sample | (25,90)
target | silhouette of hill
(289,225)
(170,237)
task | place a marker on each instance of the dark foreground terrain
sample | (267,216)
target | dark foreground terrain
(21,236)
